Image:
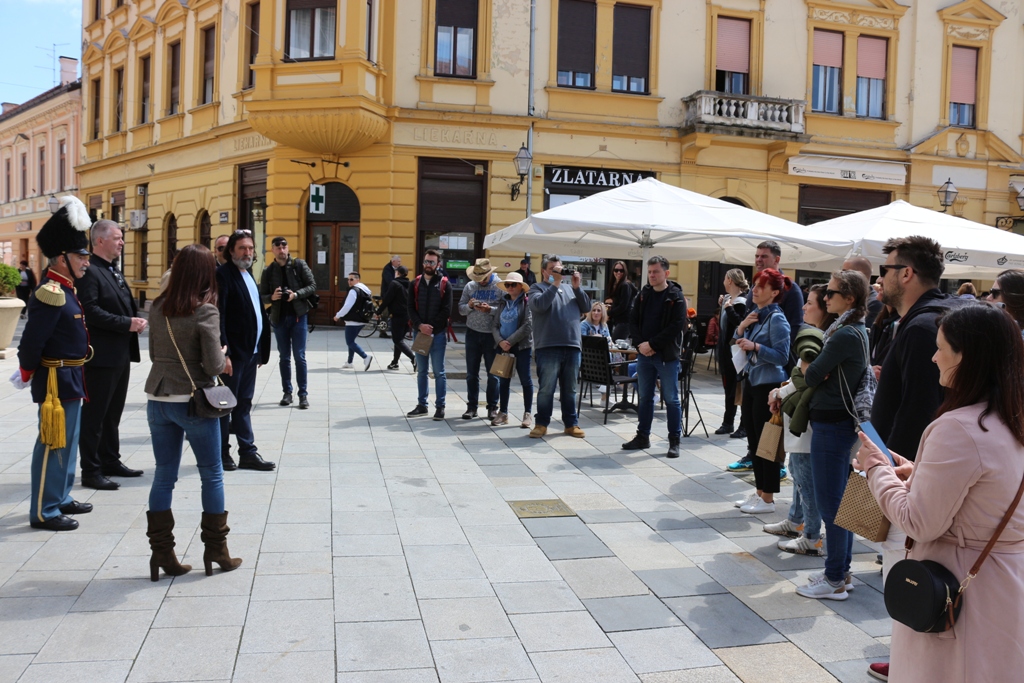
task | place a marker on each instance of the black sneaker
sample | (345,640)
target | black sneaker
(724,429)
(420,409)
(303,403)
(286,400)
(638,443)
(439,414)
(393,365)
(470,413)
(740,433)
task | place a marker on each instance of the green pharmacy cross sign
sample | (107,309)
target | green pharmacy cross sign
(317,199)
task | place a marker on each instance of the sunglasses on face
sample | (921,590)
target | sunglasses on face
(995,292)
(829,293)
(220,248)
(882,270)
(430,263)
(618,270)
(511,286)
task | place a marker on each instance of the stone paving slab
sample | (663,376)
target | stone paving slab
(384,550)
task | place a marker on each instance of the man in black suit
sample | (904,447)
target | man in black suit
(245,330)
(114,325)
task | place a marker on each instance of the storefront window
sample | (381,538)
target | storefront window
(458,252)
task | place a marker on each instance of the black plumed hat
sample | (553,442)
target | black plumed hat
(67,231)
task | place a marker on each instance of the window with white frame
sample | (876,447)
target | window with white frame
(827,72)
(311,29)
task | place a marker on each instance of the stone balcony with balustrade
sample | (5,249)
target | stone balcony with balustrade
(744,115)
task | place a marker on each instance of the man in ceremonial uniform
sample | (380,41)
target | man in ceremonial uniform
(53,349)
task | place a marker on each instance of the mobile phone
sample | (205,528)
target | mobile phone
(872,434)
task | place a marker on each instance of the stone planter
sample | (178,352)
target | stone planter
(10,309)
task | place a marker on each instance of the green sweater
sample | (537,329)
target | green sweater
(845,353)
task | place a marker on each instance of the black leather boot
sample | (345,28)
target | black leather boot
(673,447)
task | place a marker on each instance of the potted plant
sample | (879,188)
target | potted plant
(10,306)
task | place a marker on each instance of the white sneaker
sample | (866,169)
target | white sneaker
(527,421)
(801,545)
(819,588)
(758,507)
(346,365)
(783,528)
(849,581)
(749,499)
(366,363)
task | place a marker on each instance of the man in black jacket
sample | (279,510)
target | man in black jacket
(396,301)
(387,275)
(114,325)
(287,285)
(430,308)
(656,324)
(908,392)
(245,330)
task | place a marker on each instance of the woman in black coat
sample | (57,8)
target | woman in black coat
(396,298)
(734,309)
(619,301)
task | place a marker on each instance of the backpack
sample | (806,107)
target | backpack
(416,289)
(363,308)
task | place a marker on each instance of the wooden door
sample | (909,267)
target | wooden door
(333,253)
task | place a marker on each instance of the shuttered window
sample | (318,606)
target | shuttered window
(311,29)
(174,88)
(253,36)
(119,100)
(209,63)
(827,73)
(62,165)
(455,38)
(41,189)
(631,49)
(577,40)
(96,103)
(732,56)
(144,87)
(872,55)
(963,91)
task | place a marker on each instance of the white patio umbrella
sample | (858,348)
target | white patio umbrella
(969,249)
(650,217)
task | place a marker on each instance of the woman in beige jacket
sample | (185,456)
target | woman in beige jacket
(188,360)
(969,466)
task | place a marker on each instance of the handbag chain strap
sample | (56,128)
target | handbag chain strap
(182,358)
(988,547)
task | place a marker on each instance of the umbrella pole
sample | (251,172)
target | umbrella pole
(645,253)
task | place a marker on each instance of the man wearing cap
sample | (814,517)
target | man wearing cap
(529,278)
(556,307)
(54,347)
(477,303)
(287,285)
(114,326)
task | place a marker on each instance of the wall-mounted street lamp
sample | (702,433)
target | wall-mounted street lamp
(53,204)
(1020,199)
(524,162)
(947,194)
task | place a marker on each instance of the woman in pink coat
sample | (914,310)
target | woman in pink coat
(968,469)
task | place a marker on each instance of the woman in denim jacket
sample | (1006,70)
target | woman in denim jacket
(764,335)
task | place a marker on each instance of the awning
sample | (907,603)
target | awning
(849,168)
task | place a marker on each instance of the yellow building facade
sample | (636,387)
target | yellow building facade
(403,117)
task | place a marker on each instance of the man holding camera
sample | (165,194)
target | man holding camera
(287,285)
(556,309)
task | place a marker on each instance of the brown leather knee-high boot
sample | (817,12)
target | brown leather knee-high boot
(215,537)
(161,540)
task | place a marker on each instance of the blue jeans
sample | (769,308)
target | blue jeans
(557,365)
(648,369)
(351,334)
(523,356)
(437,349)
(169,423)
(53,470)
(830,467)
(804,509)
(480,345)
(242,382)
(291,335)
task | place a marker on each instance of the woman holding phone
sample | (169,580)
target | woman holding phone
(950,500)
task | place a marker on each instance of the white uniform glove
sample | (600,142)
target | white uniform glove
(17,381)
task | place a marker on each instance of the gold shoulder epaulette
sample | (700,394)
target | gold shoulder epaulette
(50,294)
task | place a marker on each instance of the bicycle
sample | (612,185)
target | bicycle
(378,323)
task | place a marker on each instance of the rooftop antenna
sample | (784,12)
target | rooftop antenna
(52,53)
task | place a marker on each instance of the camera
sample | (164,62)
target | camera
(569,272)
(285,292)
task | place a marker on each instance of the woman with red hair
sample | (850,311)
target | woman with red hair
(764,335)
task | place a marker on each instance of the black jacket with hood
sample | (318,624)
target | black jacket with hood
(908,392)
(669,340)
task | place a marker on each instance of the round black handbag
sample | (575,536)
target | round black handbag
(923,595)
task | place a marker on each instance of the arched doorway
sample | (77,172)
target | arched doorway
(333,248)
(205,228)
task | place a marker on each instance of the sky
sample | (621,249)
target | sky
(25,70)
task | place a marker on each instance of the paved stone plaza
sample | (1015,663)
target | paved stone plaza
(383,550)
